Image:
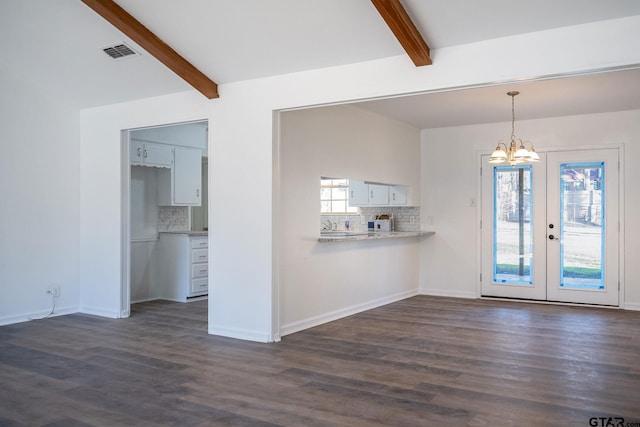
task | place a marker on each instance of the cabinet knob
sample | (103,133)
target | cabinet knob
(145,154)
(197,193)
(139,151)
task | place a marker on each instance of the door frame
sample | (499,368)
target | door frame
(621,212)
(125,208)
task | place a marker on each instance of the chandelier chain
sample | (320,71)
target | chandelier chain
(513,118)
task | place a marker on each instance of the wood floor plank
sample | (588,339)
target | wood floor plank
(421,361)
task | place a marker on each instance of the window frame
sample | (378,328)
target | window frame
(342,184)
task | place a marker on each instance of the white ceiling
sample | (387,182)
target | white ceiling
(595,93)
(56,45)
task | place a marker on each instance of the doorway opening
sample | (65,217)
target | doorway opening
(165,251)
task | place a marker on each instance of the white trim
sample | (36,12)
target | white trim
(544,302)
(632,306)
(99,311)
(481,171)
(344,312)
(125,224)
(241,334)
(621,231)
(146,300)
(448,293)
(38,315)
(276,304)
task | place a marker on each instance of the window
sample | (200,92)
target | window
(334,196)
(512,225)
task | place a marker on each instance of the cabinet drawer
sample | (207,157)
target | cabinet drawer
(199,255)
(199,242)
(199,270)
(199,286)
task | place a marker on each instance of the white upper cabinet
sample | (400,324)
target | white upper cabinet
(150,154)
(362,193)
(187,179)
(136,149)
(397,195)
(378,195)
(358,193)
(181,185)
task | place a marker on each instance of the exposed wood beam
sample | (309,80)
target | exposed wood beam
(405,31)
(132,28)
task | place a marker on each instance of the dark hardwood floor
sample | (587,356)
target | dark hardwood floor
(423,361)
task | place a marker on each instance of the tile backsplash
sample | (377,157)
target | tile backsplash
(405,218)
(173,218)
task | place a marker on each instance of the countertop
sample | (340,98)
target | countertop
(332,237)
(189,233)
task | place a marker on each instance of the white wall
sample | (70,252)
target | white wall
(323,281)
(449,258)
(39,202)
(243,166)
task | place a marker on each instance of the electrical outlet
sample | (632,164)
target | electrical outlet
(54,291)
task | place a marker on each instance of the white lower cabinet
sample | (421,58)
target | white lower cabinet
(183,266)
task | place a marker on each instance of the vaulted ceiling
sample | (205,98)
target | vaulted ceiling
(57,44)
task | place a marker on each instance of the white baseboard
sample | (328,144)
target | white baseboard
(633,306)
(448,293)
(100,311)
(144,300)
(241,334)
(37,315)
(344,312)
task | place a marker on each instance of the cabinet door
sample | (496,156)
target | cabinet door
(158,155)
(187,171)
(358,193)
(135,152)
(378,195)
(397,195)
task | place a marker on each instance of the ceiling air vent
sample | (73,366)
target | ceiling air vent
(120,51)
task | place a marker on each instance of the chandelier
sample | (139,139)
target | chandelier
(513,152)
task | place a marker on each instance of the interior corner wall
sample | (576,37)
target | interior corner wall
(448,259)
(39,217)
(320,282)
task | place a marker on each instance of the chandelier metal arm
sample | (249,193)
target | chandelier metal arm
(515,152)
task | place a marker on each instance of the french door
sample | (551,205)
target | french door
(550,230)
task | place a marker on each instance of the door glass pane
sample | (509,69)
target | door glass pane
(582,225)
(512,225)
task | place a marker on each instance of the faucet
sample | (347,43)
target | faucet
(327,225)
